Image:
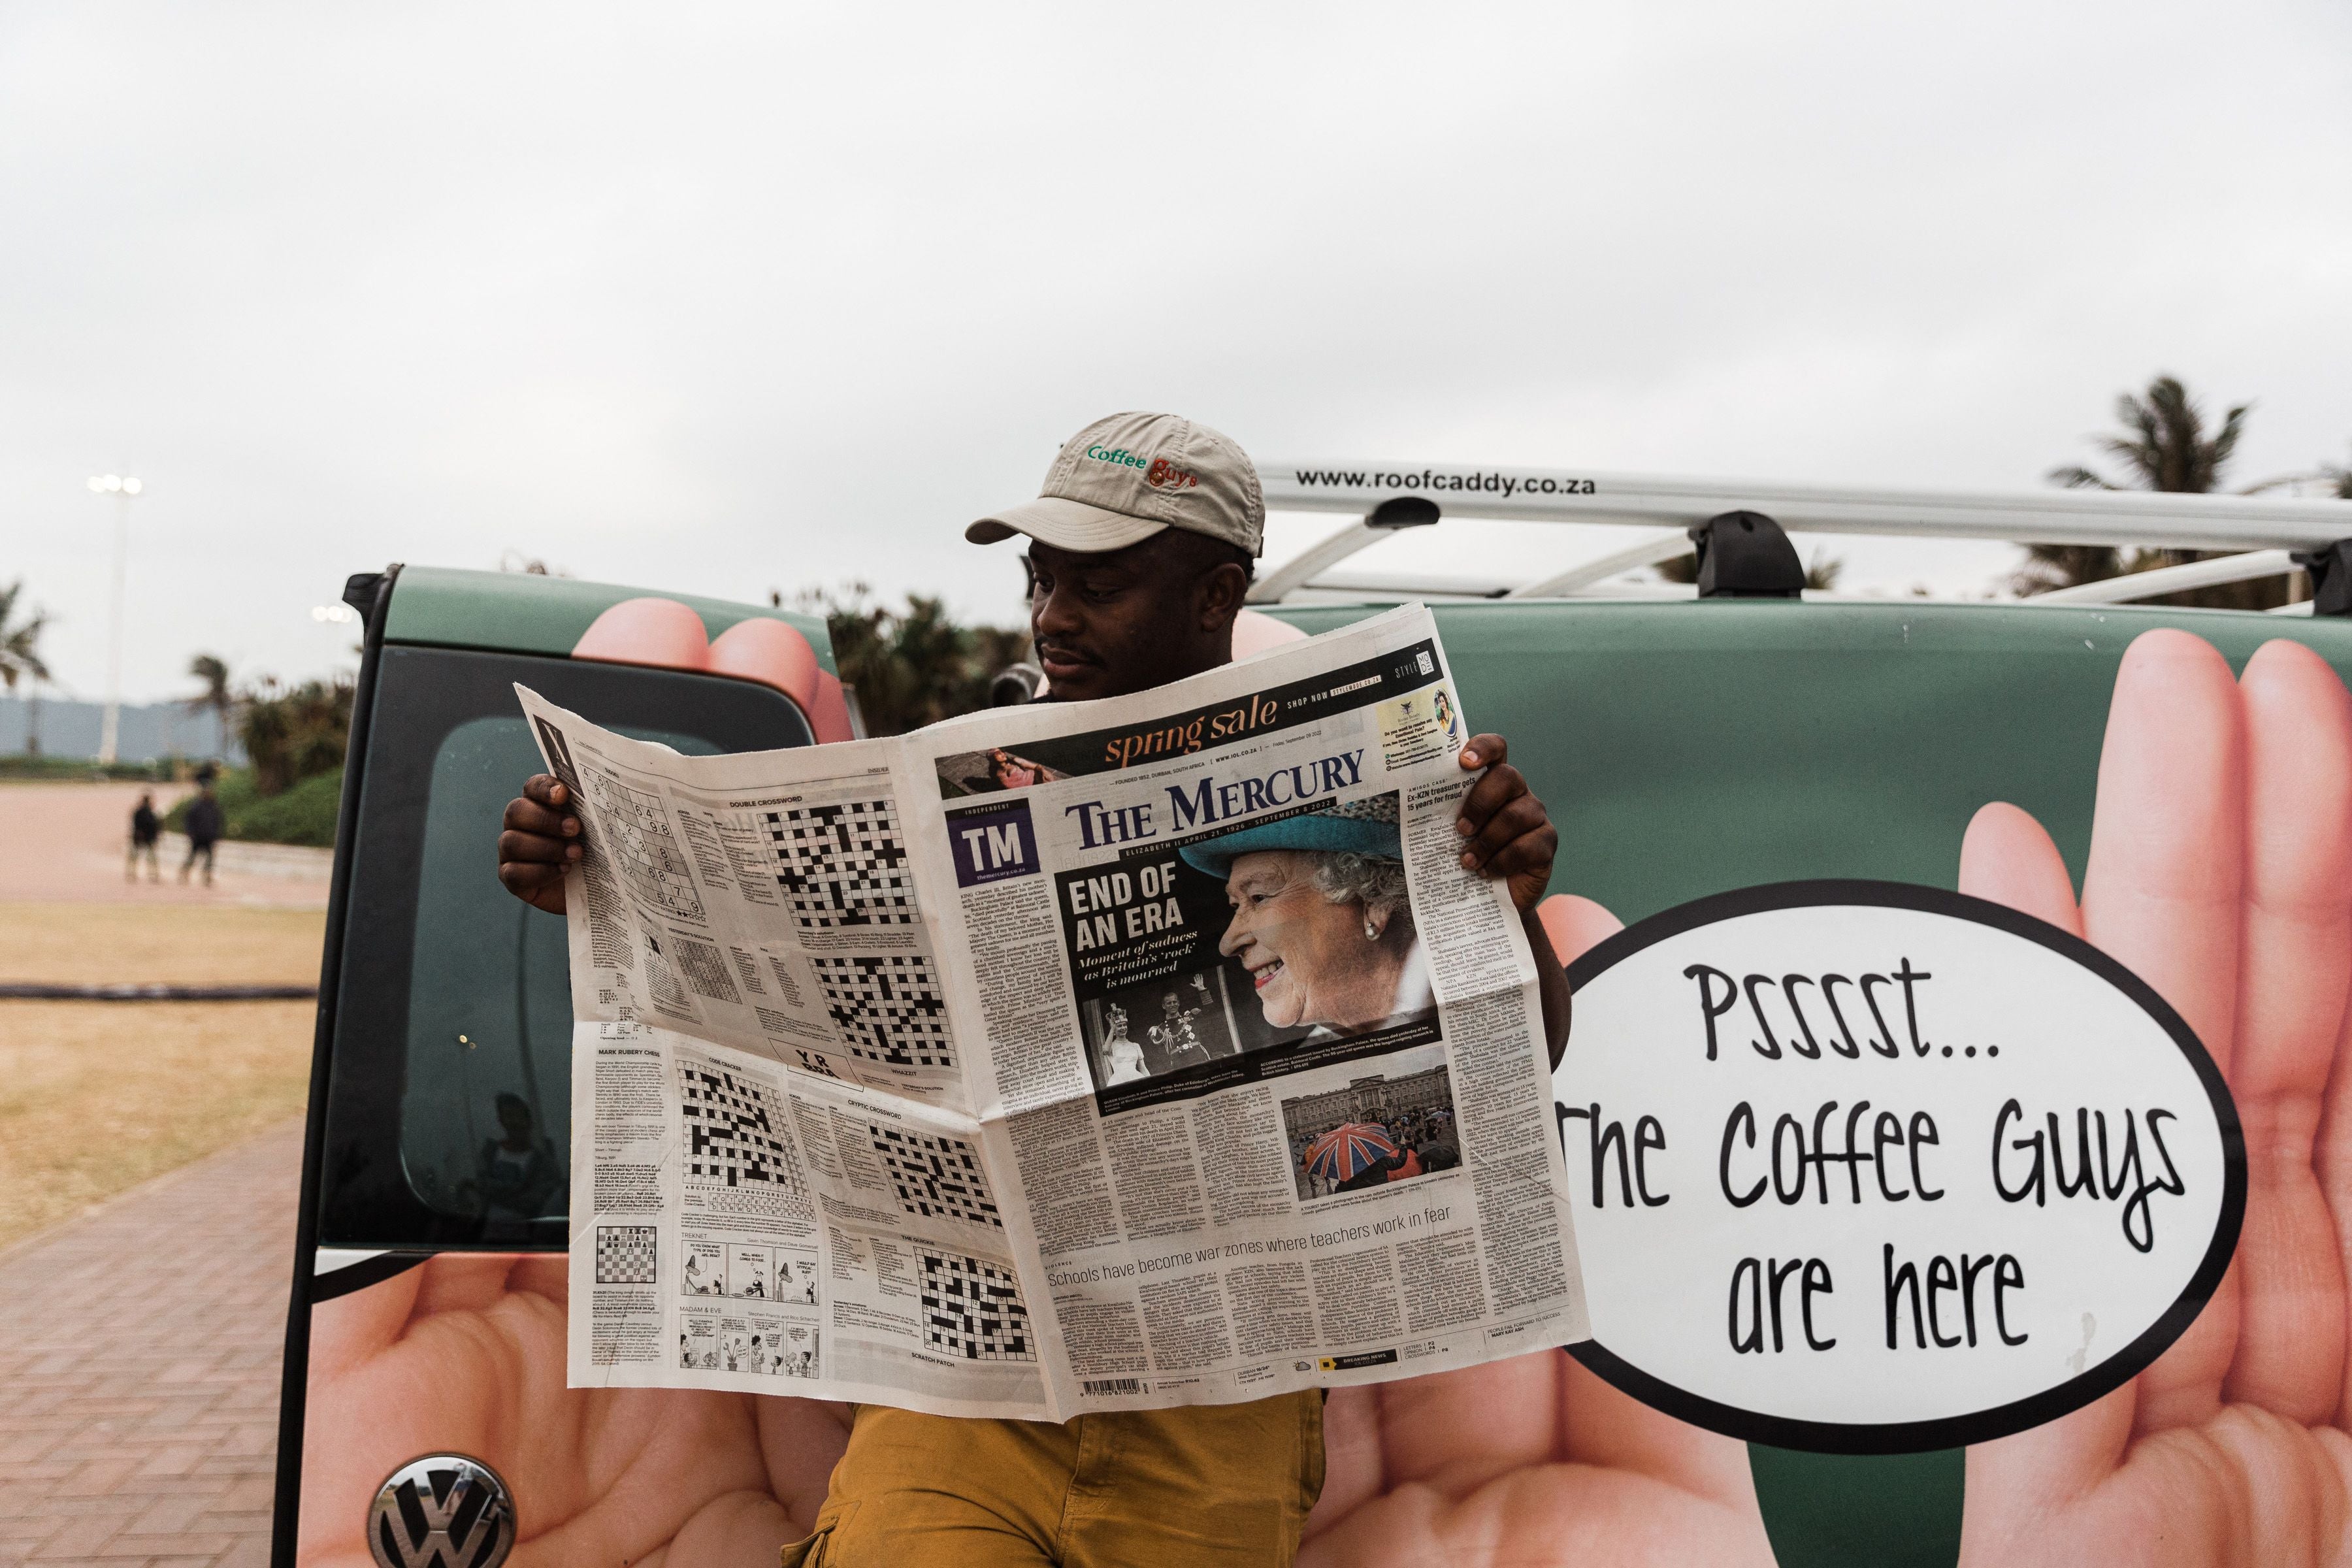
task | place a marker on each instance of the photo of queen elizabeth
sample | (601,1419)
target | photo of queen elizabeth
(1321,920)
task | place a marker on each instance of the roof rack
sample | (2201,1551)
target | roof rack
(2265,533)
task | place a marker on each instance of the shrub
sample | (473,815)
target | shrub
(297,732)
(303,814)
(913,667)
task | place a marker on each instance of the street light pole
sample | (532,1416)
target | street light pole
(122,489)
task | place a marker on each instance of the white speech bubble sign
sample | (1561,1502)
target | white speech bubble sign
(1978,1175)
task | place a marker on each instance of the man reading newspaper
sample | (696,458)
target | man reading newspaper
(1140,553)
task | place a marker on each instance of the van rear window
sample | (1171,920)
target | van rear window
(449,1115)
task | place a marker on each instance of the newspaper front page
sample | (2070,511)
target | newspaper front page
(1078,1057)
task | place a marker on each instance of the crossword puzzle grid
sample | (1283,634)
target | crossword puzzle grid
(936,1177)
(842,864)
(971,1309)
(734,1133)
(642,845)
(624,1255)
(889,1008)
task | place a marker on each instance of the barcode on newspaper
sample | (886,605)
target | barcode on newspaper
(1113,1384)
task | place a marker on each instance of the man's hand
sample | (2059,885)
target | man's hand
(1508,831)
(1508,834)
(541,842)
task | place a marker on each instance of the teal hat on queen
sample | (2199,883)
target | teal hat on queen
(1367,827)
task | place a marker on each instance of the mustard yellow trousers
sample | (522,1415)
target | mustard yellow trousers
(1223,1484)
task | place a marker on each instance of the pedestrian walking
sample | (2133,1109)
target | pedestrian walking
(145,828)
(203,829)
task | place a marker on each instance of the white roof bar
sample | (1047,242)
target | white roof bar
(2174,579)
(2262,526)
(1369,585)
(1410,585)
(2056,516)
(1413,586)
(1318,557)
(1648,551)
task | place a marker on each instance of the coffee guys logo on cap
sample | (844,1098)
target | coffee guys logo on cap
(1158,472)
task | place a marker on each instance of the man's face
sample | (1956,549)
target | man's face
(1126,620)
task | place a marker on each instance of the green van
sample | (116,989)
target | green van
(1685,747)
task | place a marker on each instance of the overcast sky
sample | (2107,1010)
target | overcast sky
(723,299)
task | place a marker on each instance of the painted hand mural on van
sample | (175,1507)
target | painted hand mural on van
(669,635)
(2220,872)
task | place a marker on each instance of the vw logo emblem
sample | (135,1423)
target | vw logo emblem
(443,1510)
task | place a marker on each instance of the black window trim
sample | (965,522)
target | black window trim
(371,594)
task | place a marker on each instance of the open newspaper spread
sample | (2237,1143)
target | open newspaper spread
(1102,1056)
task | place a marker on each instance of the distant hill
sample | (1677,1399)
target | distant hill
(146,732)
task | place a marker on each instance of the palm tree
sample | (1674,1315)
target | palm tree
(2340,480)
(292,734)
(216,698)
(2164,446)
(20,657)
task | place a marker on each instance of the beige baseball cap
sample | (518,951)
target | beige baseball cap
(1122,479)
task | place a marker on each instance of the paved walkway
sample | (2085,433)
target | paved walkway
(138,1355)
(65,843)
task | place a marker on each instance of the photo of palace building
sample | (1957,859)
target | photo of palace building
(1377,1100)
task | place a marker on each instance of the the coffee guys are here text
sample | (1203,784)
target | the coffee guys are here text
(1876,1144)
(1206,800)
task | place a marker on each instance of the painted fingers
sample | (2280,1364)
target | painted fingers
(2295,977)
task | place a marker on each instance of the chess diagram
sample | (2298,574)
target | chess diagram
(936,1177)
(735,1138)
(624,1254)
(971,1309)
(638,839)
(889,1008)
(843,865)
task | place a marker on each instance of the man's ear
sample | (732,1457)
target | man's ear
(1223,590)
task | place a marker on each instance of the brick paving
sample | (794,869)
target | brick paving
(139,1364)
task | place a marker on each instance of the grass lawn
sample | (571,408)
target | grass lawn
(97,1097)
(91,944)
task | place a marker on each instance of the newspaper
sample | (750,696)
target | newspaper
(1078,1056)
